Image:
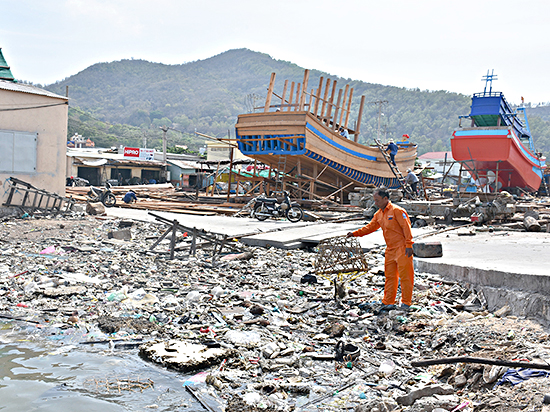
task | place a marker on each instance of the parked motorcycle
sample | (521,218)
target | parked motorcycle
(265,207)
(104,195)
(77,181)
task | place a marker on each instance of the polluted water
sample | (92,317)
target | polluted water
(42,375)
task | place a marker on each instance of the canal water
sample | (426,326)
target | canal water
(54,372)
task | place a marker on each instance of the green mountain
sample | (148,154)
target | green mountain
(125,101)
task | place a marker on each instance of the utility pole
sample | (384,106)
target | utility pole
(379,103)
(164,130)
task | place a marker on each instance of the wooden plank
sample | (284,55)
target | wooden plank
(304,89)
(269,92)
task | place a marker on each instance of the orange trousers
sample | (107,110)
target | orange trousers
(398,266)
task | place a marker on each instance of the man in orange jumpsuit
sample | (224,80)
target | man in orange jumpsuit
(396,226)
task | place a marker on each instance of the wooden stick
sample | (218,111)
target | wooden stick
(483,361)
(269,93)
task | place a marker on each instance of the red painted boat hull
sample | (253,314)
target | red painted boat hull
(498,149)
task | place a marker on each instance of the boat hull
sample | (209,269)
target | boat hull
(311,149)
(499,150)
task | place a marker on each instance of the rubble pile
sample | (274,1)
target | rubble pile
(258,330)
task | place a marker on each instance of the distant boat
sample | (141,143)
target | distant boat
(498,146)
(301,137)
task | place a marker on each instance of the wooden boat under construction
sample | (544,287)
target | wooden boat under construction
(300,137)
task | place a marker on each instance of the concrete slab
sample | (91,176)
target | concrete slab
(295,237)
(227,225)
(495,259)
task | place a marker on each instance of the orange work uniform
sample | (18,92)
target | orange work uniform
(396,226)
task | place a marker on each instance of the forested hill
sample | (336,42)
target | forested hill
(121,102)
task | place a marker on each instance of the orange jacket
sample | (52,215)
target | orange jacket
(395,224)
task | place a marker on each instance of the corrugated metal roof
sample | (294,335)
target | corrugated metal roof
(184,164)
(27,88)
(93,154)
(436,156)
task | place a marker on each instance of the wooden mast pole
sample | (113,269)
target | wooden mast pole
(269,93)
(359,116)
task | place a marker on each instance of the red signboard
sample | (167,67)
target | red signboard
(131,152)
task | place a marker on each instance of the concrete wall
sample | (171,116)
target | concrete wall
(51,125)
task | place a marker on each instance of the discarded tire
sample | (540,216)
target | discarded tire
(427,250)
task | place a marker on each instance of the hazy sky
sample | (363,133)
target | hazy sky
(429,44)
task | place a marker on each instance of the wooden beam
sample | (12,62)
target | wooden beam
(215,178)
(322,171)
(336,110)
(269,93)
(319,89)
(290,96)
(327,87)
(349,107)
(254,188)
(310,100)
(359,118)
(304,89)
(342,188)
(329,107)
(298,90)
(343,105)
(284,95)
(230,172)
